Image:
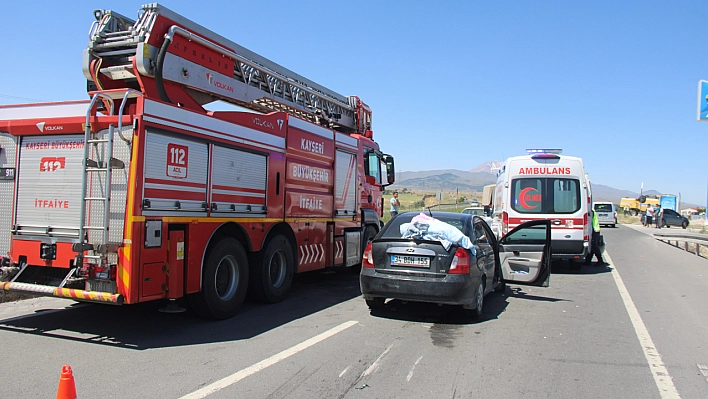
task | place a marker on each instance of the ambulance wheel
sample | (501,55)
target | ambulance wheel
(272,273)
(575,265)
(224,281)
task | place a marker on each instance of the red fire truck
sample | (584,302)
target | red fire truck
(141,194)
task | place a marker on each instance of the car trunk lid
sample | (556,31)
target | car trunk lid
(412,256)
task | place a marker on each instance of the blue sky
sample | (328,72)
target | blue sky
(452,84)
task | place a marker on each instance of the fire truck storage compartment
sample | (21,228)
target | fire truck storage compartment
(175,175)
(49,185)
(8,151)
(153,279)
(345,186)
(238,182)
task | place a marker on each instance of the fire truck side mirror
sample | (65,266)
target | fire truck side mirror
(390,170)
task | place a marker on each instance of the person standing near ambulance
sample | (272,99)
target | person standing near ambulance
(595,243)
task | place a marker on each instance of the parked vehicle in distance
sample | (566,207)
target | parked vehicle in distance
(407,260)
(606,213)
(672,218)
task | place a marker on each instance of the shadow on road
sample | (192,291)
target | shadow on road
(565,267)
(494,304)
(142,326)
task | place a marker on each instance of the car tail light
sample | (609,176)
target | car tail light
(460,262)
(586,229)
(367,260)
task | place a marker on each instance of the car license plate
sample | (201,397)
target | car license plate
(407,260)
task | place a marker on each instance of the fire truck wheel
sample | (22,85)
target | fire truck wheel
(272,276)
(224,281)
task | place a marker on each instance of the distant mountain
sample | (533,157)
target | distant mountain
(444,180)
(474,180)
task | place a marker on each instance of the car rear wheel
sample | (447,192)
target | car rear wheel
(375,303)
(684,224)
(479,299)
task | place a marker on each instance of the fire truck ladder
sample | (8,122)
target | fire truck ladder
(114,43)
(98,162)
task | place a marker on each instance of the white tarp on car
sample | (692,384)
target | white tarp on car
(427,228)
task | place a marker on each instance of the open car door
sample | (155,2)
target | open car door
(525,254)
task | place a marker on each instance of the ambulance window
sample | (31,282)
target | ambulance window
(545,195)
(566,195)
(372,165)
(527,195)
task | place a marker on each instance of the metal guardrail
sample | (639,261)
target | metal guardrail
(682,236)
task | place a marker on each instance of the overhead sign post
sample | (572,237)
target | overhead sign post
(702,101)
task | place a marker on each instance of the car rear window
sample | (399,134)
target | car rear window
(603,207)
(458,220)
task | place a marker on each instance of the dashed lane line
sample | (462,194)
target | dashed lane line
(238,376)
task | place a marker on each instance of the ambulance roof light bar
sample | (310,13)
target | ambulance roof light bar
(535,151)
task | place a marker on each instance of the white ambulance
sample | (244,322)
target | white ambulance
(546,185)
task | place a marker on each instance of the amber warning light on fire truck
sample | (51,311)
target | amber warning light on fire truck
(141,194)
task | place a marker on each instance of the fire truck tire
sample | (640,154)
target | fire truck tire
(272,273)
(224,281)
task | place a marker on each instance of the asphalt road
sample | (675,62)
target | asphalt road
(636,329)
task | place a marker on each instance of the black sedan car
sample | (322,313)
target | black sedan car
(452,258)
(670,218)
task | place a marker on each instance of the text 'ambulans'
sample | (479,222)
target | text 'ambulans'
(544,171)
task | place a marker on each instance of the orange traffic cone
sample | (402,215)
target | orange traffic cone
(67,388)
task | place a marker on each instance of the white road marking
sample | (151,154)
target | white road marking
(343,372)
(410,373)
(375,365)
(703,369)
(663,381)
(238,376)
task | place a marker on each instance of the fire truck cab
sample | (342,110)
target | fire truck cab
(546,185)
